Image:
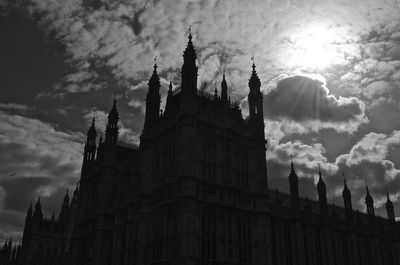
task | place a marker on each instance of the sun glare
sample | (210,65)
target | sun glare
(314,48)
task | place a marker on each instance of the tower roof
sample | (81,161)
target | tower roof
(321,183)
(254,81)
(92,130)
(154,81)
(368,198)
(113,115)
(190,53)
(346,192)
(292,170)
(389,203)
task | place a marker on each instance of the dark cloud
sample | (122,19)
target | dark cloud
(300,98)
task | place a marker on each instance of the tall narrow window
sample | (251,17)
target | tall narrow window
(208,248)
(244,240)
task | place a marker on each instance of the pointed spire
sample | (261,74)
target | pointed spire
(189,70)
(154,81)
(389,207)
(254,81)
(113,115)
(38,209)
(190,53)
(112,124)
(321,183)
(292,165)
(323,202)
(294,186)
(346,194)
(153,99)
(224,90)
(369,201)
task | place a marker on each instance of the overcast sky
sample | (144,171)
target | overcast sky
(330,73)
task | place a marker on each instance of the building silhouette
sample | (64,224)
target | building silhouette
(195,191)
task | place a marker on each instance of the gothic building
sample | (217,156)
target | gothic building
(195,191)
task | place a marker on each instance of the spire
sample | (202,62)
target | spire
(38,210)
(323,203)
(153,98)
(389,207)
(90,146)
(113,116)
(112,125)
(215,91)
(346,194)
(369,201)
(294,186)
(92,130)
(189,68)
(254,81)
(224,90)
(189,55)
(154,82)
(255,99)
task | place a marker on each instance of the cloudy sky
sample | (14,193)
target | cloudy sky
(330,74)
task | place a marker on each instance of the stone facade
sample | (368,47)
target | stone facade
(195,191)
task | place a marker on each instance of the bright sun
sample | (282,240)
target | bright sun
(314,48)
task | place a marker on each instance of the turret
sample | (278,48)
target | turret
(112,125)
(189,68)
(37,214)
(323,204)
(255,98)
(224,90)
(294,186)
(347,200)
(389,208)
(153,99)
(369,202)
(90,145)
